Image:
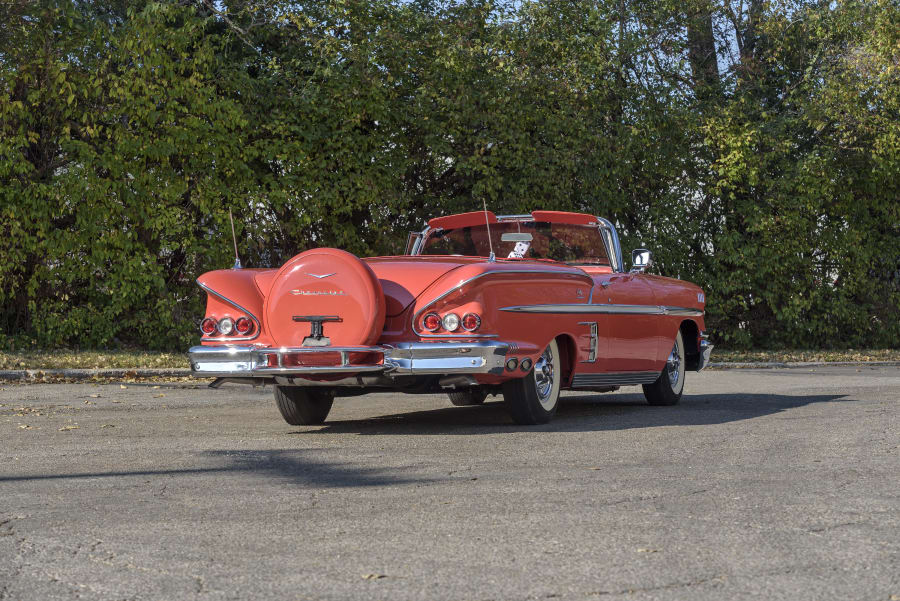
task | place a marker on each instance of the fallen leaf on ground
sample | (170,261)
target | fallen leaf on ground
(373,576)
(67,428)
(107,426)
(24,427)
(90,403)
(157,396)
(95,396)
(122,386)
(643,550)
(115,401)
(156,388)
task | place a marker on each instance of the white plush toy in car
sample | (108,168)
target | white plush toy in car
(519,251)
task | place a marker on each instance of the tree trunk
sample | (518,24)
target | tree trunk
(702,53)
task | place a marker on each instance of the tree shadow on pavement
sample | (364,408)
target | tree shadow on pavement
(292,465)
(583,412)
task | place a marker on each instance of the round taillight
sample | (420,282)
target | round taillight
(243,325)
(226,326)
(471,322)
(208,326)
(451,322)
(431,322)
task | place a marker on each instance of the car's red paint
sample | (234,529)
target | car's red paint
(325,282)
(523,302)
(563,217)
(463,219)
(403,279)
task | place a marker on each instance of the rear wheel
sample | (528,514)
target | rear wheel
(667,388)
(467,397)
(303,406)
(534,398)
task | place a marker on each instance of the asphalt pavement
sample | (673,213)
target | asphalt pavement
(761,484)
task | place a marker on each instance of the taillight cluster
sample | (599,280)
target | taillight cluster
(227,326)
(451,322)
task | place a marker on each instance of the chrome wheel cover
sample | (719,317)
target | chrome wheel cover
(544,379)
(675,365)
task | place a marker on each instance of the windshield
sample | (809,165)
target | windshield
(564,242)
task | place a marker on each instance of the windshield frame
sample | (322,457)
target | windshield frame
(608,235)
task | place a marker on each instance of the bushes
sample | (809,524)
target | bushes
(770,178)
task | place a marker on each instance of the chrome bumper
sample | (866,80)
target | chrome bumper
(405,358)
(705,350)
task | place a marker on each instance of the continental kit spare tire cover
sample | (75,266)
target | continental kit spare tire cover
(325,283)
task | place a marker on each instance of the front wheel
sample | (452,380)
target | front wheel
(303,406)
(534,398)
(667,388)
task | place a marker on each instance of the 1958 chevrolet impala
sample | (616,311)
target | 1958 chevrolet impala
(523,305)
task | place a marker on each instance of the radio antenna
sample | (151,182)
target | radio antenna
(487,222)
(237,259)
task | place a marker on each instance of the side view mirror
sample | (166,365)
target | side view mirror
(641,259)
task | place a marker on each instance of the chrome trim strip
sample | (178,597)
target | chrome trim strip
(240,308)
(617,248)
(460,336)
(612,309)
(317,369)
(632,378)
(604,308)
(417,314)
(683,311)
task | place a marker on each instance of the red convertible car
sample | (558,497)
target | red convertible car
(519,305)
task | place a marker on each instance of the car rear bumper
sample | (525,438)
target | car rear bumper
(405,358)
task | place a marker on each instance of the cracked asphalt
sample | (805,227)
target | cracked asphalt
(775,484)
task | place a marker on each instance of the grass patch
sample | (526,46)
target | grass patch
(802,356)
(67,359)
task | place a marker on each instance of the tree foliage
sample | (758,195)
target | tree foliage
(755,146)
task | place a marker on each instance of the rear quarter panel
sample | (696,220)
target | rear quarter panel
(486,289)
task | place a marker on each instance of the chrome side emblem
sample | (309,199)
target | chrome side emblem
(700,297)
(321,276)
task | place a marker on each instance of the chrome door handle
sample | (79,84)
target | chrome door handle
(604,284)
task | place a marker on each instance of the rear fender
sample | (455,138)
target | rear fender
(233,293)
(487,289)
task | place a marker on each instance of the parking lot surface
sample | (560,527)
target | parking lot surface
(776,484)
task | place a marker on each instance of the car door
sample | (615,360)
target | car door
(633,321)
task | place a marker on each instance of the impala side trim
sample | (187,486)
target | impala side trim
(606,308)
